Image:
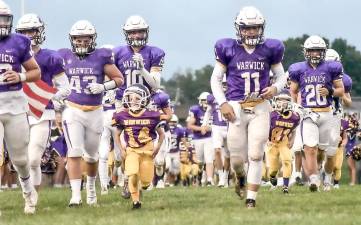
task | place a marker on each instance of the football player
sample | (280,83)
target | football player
(281,136)
(15,52)
(352,132)
(160,101)
(337,126)
(141,128)
(85,67)
(178,141)
(219,137)
(202,137)
(317,80)
(52,73)
(247,61)
(139,62)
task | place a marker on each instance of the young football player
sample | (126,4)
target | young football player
(141,128)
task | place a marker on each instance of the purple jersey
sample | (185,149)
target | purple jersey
(247,73)
(82,72)
(310,80)
(177,134)
(282,126)
(123,55)
(217,117)
(14,51)
(197,113)
(140,129)
(51,64)
(344,125)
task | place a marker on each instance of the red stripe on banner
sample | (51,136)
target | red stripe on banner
(34,96)
(37,113)
(41,84)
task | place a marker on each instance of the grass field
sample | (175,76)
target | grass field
(201,206)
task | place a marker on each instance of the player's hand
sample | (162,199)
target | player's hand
(227,112)
(96,88)
(138,58)
(58,105)
(323,91)
(11,77)
(269,92)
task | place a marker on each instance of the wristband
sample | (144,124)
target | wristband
(22,77)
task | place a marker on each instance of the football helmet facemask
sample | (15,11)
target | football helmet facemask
(136,97)
(78,33)
(136,31)
(33,27)
(6,20)
(314,49)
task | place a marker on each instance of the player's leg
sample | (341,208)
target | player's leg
(286,158)
(272,155)
(257,139)
(199,149)
(132,162)
(104,148)
(338,167)
(331,127)
(310,134)
(39,138)
(237,143)
(297,149)
(209,159)
(74,133)
(217,141)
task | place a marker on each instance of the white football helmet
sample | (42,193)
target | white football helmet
(312,43)
(136,97)
(173,122)
(108,46)
(6,20)
(202,99)
(249,17)
(282,102)
(29,22)
(83,28)
(332,55)
(136,23)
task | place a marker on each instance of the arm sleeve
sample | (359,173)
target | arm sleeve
(61,82)
(280,76)
(216,83)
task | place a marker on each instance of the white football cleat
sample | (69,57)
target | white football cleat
(104,191)
(336,186)
(160,184)
(326,187)
(91,196)
(75,202)
(31,199)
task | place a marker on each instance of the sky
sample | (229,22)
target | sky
(188,29)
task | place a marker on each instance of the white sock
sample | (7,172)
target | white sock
(35,175)
(226,173)
(251,195)
(298,174)
(103,173)
(75,188)
(328,178)
(26,184)
(90,185)
(315,179)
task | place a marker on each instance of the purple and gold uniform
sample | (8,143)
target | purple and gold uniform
(317,125)
(178,139)
(189,165)
(139,134)
(281,129)
(82,118)
(340,150)
(197,112)
(153,57)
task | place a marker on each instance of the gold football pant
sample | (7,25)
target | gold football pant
(139,167)
(188,169)
(338,163)
(277,152)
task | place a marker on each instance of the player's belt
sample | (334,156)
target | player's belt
(325,109)
(250,103)
(85,108)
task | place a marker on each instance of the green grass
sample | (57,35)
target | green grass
(201,206)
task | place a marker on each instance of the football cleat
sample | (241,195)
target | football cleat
(313,187)
(299,181)
(137,205)
(273,181)
(326,187)
(104,191)
(285,190)
(336,186)
(160,184)
(240,187)
(250,203)
(31,199)
(75,202)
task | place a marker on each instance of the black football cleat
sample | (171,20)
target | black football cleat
(273,181)
(250,203)
(125,192)
(137,205)
(313,188)
(299,181)
(285,190)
